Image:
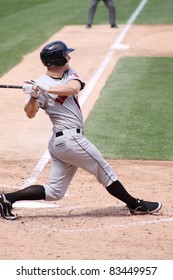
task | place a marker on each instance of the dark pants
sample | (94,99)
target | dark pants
(111,7)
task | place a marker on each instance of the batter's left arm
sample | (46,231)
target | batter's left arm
(72,87)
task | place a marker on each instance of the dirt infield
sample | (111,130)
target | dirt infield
(88,223)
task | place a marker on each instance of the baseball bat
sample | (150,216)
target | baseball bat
(11,86)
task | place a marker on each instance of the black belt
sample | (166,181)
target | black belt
(60,133)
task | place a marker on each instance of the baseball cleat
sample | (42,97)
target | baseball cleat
(5,208)
(145,207)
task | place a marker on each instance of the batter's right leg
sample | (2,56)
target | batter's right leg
(34,192)
(61,175)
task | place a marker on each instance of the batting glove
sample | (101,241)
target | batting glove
(42,89)
(31,89)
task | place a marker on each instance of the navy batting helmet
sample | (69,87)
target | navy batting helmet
(53,54)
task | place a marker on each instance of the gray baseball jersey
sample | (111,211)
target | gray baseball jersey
(68,147)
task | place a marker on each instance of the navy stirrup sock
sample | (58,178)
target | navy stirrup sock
(117,190)
(34,192)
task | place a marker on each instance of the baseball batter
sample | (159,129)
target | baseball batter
(56,92)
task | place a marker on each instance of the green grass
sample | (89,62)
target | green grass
(133,117)
(156,12)
(24,25)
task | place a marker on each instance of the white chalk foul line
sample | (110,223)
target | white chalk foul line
(37,170)
(45,158)
(144,222)
(116,226)
(113,226)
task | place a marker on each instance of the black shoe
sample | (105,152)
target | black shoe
(114,26)
(88,25)
(5,208)
(145,207)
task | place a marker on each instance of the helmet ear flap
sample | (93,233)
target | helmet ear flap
(61,61)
